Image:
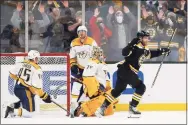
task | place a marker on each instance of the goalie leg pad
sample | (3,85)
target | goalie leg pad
(109,110)
(91,106)
(91,86)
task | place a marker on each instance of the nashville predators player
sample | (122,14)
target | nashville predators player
(95,83)
(80,53)
(28,77)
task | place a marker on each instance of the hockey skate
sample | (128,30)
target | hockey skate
(79,112)
(133,112)
(100,111)
(9,111)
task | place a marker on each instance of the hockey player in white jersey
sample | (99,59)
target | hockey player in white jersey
(28,77)
(80,53)
(95,83)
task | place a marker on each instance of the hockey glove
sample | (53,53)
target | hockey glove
(164,51)
(127,50)
(46,98)
(75,70)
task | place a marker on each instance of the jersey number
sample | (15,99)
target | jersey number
(26,74)
(89,67)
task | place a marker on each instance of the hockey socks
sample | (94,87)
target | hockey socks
(135,99)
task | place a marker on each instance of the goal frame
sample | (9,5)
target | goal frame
(68,70)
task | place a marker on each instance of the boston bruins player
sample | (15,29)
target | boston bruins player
(80,53)
(95,83)
(135,53)
(28,76)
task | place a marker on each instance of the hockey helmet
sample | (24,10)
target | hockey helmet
(96,51)
(32,54)
(82,28)
(142,34)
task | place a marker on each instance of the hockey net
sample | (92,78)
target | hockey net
(56,79)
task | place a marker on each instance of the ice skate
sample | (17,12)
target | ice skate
(100,111)
(9,111)
(133,112)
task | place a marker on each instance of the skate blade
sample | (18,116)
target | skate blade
(98,114)
(134,116)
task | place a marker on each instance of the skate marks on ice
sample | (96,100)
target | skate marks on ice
(58,117)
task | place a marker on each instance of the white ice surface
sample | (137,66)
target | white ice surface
(58,117)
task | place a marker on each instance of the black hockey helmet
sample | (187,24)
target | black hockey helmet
(142,34)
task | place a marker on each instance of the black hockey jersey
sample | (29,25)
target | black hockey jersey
(136,54)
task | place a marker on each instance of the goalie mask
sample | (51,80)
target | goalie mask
(97,53)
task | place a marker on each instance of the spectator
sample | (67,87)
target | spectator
(54,33)
(122,24)
(36,27)
(70,27)
(99,31)
(10,40)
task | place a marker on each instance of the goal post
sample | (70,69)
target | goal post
(56,72)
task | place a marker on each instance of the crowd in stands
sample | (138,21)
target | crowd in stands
(52,25)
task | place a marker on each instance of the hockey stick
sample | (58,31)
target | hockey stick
(163,59)
(78,80)
(69,113)
(55,91)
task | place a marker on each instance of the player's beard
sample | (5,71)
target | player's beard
(82,36)
(144,43)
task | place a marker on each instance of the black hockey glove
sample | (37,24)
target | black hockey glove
(46,98)
(126,50)
(164,51)
(75,70)
(134,42)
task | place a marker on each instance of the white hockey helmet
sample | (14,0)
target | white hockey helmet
(32,54)
(82,28)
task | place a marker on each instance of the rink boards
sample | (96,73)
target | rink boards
(168,93)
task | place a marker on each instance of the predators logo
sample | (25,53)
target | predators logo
(83,54)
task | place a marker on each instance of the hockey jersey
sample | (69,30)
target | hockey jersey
(95,73)
(81,52)
(29,75)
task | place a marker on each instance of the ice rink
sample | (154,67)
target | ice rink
(58,117)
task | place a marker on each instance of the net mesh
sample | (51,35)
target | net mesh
(55,77)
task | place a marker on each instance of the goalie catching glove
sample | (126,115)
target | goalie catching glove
(46,98)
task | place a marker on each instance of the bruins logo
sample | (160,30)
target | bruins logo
(169,32)
(152,32)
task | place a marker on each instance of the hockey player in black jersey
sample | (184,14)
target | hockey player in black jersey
(135,53)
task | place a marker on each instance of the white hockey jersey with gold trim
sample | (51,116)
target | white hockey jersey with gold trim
(81,52)
(29,75)
(97,69)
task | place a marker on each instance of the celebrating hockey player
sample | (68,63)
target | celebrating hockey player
(95,83)
(80,53)
(28,77)
(135,53)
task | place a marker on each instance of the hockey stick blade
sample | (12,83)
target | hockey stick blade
(54,93)
(72,115)
(154,81)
